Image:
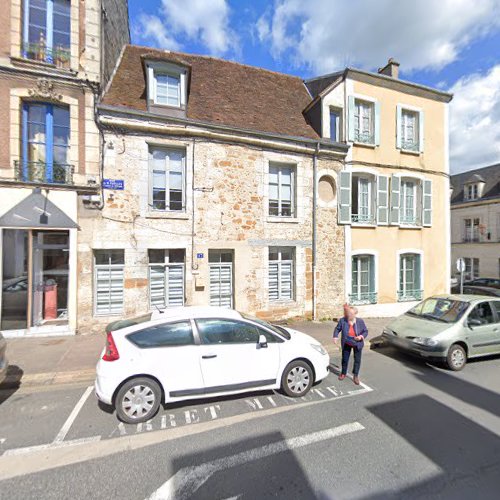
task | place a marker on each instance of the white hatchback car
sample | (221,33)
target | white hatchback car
(198,352)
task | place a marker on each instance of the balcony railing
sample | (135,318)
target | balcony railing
(410,295)
(38,172)
(471,238)
(363,218)
(410,146)
(409,220)
(364,137)
(363,298)
(59,56)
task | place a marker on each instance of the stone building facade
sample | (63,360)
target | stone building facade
(51,60)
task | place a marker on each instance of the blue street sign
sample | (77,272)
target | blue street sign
(199,256)
(117,184)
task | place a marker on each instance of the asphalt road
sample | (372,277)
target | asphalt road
(412,431)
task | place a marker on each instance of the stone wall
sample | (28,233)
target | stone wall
(230,212)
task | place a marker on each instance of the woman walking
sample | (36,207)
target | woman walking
(353,332)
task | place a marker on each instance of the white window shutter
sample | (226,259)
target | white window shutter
(421,131)
(399,122)
(395,198)
(377,123)
(345,198)
(151,84)
(183,88)
(427,203)
(382,200)
(350,121)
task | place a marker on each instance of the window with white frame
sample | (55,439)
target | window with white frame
(363,290)
(363,198)
(167,89)
(471,268)
(281,273)
(166,277)
(335,124)
(167,167)
(410,281)
(471,230)
(364,120)
(281,190)
(409,202)
(471,191)
(109,266)
(410,130)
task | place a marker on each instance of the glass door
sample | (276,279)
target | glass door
(50,277)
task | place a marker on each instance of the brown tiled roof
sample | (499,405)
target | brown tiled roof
(220,92)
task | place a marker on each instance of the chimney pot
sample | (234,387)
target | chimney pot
(390,69)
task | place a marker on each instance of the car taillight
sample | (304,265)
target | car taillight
(111,353)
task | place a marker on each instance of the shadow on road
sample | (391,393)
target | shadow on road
(242,470)
(11,383)
(466,454)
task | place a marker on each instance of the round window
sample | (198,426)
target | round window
(326,189)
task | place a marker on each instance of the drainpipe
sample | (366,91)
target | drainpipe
(314,236)
(194,264)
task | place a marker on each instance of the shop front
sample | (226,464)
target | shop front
(38,275)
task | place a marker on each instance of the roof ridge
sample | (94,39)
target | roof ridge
(204,56)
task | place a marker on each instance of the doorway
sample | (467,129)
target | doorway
(221,278)
(35,278)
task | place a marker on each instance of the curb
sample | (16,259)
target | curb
(48,378)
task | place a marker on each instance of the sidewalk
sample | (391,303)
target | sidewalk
(66,360)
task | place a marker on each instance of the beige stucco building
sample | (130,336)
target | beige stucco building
(394,188)
(51,61)
(475,222)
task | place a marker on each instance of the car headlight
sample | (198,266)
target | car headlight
(386,331)
(319,348)
(425,341)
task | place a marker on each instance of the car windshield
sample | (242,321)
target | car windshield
(440,309)
(282,332)
(124,323)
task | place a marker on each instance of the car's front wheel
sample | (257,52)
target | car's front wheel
(297,379)
(138,400)
(456,358)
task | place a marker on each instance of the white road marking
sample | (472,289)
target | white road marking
(72,416)
(49,446)
(185,482)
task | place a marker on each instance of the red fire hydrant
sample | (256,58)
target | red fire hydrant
(50,306)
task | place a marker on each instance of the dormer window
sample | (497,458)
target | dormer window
(166,87)
(471,192)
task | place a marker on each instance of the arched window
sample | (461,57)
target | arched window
(363,286)
(410,277)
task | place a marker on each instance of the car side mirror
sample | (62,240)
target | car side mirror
(473,322)
(262,341)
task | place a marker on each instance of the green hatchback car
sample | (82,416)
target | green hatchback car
(449,328)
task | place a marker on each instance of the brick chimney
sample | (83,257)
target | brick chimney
(390,69)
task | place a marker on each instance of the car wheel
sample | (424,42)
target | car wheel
(297,379)
(138,400)
(456,358)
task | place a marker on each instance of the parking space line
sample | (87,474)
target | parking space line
(184,483)
(72,416)
(49,446)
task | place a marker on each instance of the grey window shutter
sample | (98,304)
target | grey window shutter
(399,123)
(382,200)
(427,203)
(421,131)
(395,199)
(345,198)
(377,123)
(350,121)
(418,272)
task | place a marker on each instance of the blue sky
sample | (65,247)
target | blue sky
(450,44)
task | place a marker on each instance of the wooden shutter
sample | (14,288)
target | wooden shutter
(109,289)
(377,123)
(395,199)
(421,131)
(382,200)
(175,277)
(399,123)
(350,121)
(345,198)
(221,285)
(427,203)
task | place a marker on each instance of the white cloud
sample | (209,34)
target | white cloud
(324,35)
(200,21)
(475,121)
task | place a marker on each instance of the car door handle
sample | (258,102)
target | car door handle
(209,356)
